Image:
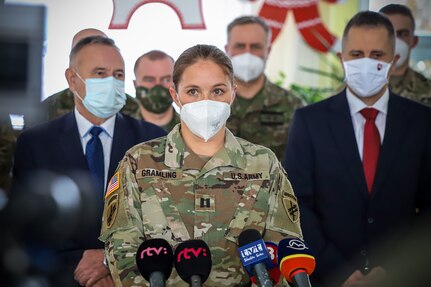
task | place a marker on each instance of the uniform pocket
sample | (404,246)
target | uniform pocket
(249,214)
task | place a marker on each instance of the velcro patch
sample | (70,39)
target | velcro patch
(246,176)
(151,172)
(205,202)
(111,210)
(291,206)
(113,185)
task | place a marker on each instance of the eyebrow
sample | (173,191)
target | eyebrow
(220,84)
(402,31)
(99,68)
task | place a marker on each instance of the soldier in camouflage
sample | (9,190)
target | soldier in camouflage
(262,111)
(199,182)
(404,80)
(7,146)
(153,72)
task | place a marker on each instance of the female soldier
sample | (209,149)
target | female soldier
(198,182)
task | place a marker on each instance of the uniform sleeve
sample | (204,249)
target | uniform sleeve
(122,224)
(283,218)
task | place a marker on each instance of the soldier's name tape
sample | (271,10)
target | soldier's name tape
(178,174)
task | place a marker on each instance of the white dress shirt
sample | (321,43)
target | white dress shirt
(356,105)
(84,127)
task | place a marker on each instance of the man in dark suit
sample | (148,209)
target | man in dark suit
(93,138)
(360,161)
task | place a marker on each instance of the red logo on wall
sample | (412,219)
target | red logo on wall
(189,12)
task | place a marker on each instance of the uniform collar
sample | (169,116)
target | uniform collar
(178,156)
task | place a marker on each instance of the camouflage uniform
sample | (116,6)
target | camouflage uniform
(62,102)
(175,120)
(412,85)
(265,118)
(7,147)
(166,191)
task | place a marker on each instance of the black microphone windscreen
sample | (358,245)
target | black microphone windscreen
(248,236)
(155,255)
(193,257)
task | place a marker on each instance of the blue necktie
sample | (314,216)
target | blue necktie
(95,161)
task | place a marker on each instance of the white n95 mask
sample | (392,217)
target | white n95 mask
(247,67)
(205,118)
(402,49)
(366,76)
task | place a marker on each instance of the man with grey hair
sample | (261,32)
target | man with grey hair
(91,139)
(262,111)
(62,102)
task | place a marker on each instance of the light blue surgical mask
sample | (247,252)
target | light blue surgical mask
(104,96)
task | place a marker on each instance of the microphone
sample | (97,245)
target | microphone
(254,256)
(193,261)
(295,261)
(274,272)
(154,259)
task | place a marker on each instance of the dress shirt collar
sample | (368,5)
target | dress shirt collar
(85,125)
(356,105)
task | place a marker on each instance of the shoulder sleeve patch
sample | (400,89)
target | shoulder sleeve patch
(113,185)
(111,210)
(291,206)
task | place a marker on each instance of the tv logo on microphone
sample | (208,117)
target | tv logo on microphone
(188,252)
(151,251)
(253,252)
(297,244)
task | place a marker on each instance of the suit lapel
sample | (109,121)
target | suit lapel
(123,139)
(345,140)
(70,144)
(396,124)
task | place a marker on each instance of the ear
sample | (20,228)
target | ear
(394,62)
(415,41)
(71,78)
(225,49)
(174,96)
(234,92)
(134,83)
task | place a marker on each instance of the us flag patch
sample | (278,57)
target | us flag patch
(113,185)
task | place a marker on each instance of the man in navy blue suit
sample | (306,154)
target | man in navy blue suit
(93,138)
(360,162)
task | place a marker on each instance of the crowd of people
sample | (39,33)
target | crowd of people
(350,174)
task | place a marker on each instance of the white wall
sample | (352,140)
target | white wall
(152,26)
(156,26)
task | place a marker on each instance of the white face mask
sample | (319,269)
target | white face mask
(366,76)
(402,49)
(205,118)
(247,67)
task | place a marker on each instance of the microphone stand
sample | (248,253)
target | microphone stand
(195,281)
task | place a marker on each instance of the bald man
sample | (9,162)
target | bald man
(62,102)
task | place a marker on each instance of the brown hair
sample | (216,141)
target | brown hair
(153,55)
(201,52)
(393,9)
(372,20)
(244,20)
